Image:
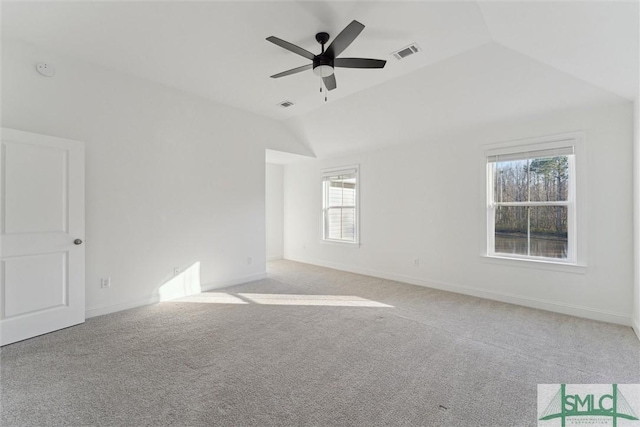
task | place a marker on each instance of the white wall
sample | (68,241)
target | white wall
(171,179)
(636,215)
(425,201)
(274,206)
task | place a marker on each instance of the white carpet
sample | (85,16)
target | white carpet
(310,346)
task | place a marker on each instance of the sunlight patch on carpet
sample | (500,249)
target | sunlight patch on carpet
(281,299)
(321,300)
(213,298)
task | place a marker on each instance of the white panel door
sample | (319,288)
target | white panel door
(41,234)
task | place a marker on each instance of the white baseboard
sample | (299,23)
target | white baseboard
(107,309)
(557,307)
(636,327)
(275,258)
(231,282)
(155,298)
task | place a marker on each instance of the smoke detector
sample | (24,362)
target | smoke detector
(45,69)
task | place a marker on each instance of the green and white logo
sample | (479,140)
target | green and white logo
(588,405)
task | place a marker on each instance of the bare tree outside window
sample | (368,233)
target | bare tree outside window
(531,203)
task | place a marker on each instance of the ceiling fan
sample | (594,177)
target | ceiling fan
(324,63)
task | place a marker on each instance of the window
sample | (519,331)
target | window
(531,203)
(339,205)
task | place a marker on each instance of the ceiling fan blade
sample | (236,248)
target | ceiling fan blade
(291,47)
(292,71)
(344,39)
(358,63)
(330,82)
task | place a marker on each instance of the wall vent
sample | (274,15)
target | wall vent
(406,51)
(285,104)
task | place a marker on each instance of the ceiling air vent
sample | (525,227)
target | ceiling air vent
(285,104)
(406,51)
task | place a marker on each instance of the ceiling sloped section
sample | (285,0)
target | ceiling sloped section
(488,84)
(596,41)
(545,56)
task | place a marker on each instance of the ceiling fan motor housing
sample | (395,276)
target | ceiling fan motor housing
(322,60)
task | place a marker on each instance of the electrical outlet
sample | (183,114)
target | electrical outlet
(249,260)
(105,282)
(176,271)
(416,262)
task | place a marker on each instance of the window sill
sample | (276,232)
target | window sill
(340,243)
(534,263)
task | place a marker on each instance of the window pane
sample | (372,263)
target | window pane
(341,223)
(549,179)
(535,183)
(341,194)
(340,207)
(334,231)
(511,230)
(549,237)
(510,181)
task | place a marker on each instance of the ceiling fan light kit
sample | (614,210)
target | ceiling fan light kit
(323,70)
(323,64)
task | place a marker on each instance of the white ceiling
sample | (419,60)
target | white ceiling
(480,61)
(445,98)
(595,41)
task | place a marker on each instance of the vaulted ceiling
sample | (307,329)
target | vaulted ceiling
(480,60)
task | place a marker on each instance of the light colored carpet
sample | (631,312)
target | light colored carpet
(431,359)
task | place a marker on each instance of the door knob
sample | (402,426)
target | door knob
(77,242)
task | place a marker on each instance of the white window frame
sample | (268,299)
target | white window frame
(343,170)
(576,203)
